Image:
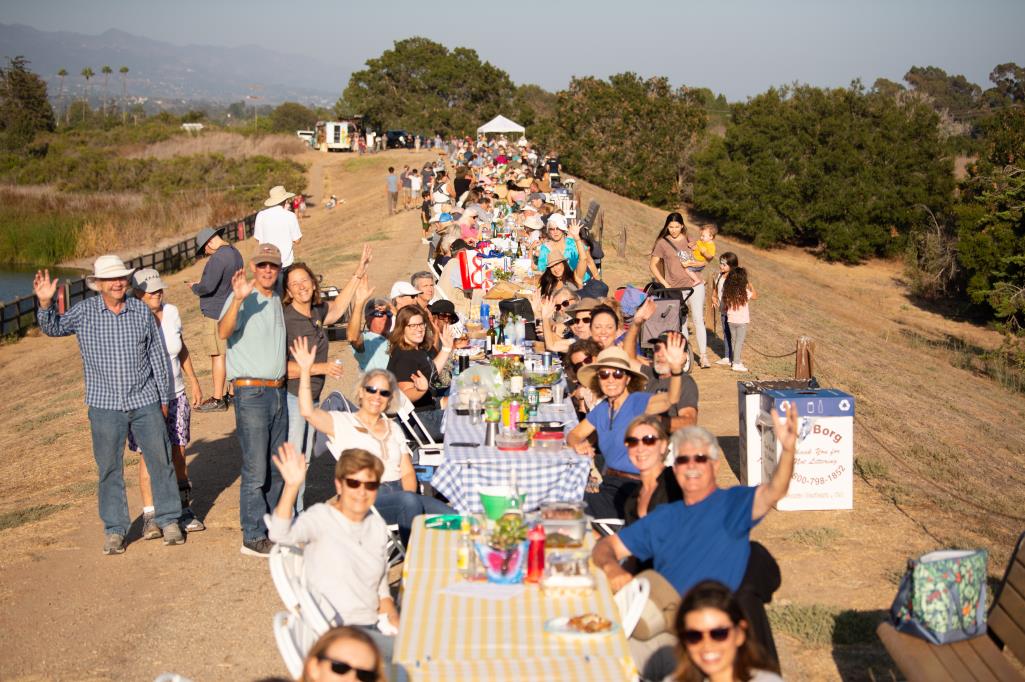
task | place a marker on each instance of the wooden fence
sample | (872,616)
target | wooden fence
(19,315)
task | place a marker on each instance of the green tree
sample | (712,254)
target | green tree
(289,117)
(629,135)
(1009,82)
(87,74)
(62,74)
(421,86)
(106,71)
(24,106)
(842,171)
(124,93)
(532,105)
(956,94)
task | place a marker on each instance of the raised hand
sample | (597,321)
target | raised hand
(446,336)
(420,382)
(44,288)
(303,354)
(241,286)
(786,428)
(674,351)
(574,229)
(644,311)
(291,464)
(364,261)
(363,289)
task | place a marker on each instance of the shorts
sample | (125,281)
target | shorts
(696,268)
(178,422)
(209,343)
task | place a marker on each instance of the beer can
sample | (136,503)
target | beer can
(464,363)
(531,394)
(546,360)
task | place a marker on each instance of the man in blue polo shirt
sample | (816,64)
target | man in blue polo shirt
(705,536)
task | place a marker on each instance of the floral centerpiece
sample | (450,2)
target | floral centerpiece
(504,550)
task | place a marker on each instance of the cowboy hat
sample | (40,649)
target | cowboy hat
(277,195)
(613,357)
(109,266)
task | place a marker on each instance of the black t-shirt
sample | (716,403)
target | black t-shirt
(405,363)
(688,389)
(312,327)
(462,185)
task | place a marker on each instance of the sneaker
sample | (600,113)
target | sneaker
(190,523)
(150,529)
(704,362)
(173,534)
(425,240)
(114,544)
(724,361)
(259,548)
(211,405)
(737,367)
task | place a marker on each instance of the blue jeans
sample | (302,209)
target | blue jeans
(109,431)
(400,506)
(261,421)
(300,435)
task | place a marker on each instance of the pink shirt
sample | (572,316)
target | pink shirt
(468,231)
(742,314)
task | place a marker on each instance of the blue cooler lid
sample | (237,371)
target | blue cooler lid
(813,402)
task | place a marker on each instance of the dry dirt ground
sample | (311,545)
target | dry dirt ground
(204,610)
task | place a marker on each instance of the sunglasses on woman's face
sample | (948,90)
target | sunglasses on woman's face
(355,483)
(648,439)
(564,304)
(586,361)
(695,636)
(581,320)
(611,373)
(341,668)
(682,460)
(374,390)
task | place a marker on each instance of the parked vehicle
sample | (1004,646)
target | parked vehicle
(335,135)
(398,139)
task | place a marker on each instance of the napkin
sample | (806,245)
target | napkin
(487,591)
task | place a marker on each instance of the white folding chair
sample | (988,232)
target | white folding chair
(396,552)
(607,526)
(286,570)
(429,452)
(630,601)
(293,639)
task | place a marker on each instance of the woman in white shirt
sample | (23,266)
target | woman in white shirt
(370,429)
(345,547)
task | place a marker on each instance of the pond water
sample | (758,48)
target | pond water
(16,281)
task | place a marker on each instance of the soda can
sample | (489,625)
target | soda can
(546,360)
(531,394)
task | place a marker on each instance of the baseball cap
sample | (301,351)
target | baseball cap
(402,288)
(147,280)
(266,253)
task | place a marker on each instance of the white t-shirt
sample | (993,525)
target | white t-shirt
(416,182)
(171,326)
(350,433)
(278,226)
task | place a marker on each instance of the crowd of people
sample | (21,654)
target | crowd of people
(265,333)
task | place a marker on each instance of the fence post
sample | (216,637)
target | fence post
(241,231)
(61,299)
(804,364)
(601,225)
(621,247)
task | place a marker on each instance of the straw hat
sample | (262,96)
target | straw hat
(533,222)
(613,357)
(555,258)
(277,195)
(107,267)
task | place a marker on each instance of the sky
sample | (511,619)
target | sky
(737,47)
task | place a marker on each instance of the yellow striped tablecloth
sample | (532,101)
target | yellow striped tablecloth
(447,637)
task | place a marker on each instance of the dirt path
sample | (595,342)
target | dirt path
(204,610)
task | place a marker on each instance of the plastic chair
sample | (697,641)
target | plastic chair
(630,601)
(429,451)
(286,570)
(607,526)
(293,640)
(396,552)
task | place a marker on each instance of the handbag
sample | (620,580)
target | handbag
(942,597)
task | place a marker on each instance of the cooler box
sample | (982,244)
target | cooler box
(824,460)
(749,404)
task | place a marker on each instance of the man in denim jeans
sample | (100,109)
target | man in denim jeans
(253,324)
(127,383)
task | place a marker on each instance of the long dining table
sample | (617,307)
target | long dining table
(468,636)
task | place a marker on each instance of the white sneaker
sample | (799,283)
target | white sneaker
(425,240)
(737,367)
(724,361)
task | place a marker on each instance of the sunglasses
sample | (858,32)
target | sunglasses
(613,373)
(272,266)
(341,668)
(371,486)
(632,441)
(581,320)
(585,361)
(682,460)
(374,390)
(695,636)
(565,304)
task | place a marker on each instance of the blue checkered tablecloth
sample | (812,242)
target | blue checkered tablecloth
(544,475)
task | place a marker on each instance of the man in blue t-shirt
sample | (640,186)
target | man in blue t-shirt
(706,536)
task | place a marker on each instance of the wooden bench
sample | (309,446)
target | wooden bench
(979,658)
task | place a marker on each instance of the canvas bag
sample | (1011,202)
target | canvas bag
(942,597)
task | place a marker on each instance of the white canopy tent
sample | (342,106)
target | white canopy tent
(500,124)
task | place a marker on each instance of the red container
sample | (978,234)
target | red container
(536,554)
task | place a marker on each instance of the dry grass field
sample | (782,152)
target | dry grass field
(939,450)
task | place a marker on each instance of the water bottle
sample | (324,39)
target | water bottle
(475,406)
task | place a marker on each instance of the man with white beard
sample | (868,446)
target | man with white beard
(685,411)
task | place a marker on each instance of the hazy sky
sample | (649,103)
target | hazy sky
(738,47)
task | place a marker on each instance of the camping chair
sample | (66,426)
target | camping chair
(294,639)
(978,658)
(286,570)
(630,602)
(335,402)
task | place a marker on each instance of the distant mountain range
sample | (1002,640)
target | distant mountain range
(162,71)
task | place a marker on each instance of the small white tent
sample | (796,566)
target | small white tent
(500,124)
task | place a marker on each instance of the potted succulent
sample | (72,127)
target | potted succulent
(504,552)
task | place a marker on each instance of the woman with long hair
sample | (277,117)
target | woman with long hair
(727,261)
(647,443)
(714,643)
(557,274)
(736,293)
(414,362)
(667,265)
(340,651)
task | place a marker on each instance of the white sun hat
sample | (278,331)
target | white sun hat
(109,266)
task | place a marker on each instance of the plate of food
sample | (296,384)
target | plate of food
(584,625)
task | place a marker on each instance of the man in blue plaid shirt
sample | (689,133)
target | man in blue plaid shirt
(127,383)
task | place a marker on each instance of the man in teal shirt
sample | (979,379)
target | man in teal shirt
(253,324)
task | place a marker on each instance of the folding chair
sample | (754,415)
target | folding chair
(429,452)
(334,402)
(286,570)
(607,526)
(630,601)
(294,639)
(396,552)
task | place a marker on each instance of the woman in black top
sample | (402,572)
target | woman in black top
(646,443)
(414,362)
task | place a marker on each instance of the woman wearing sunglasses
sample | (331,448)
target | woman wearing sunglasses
(580,354)
(713,640)
(646,443)
(344,545)
(341,651)
(370,429)
(617,378)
